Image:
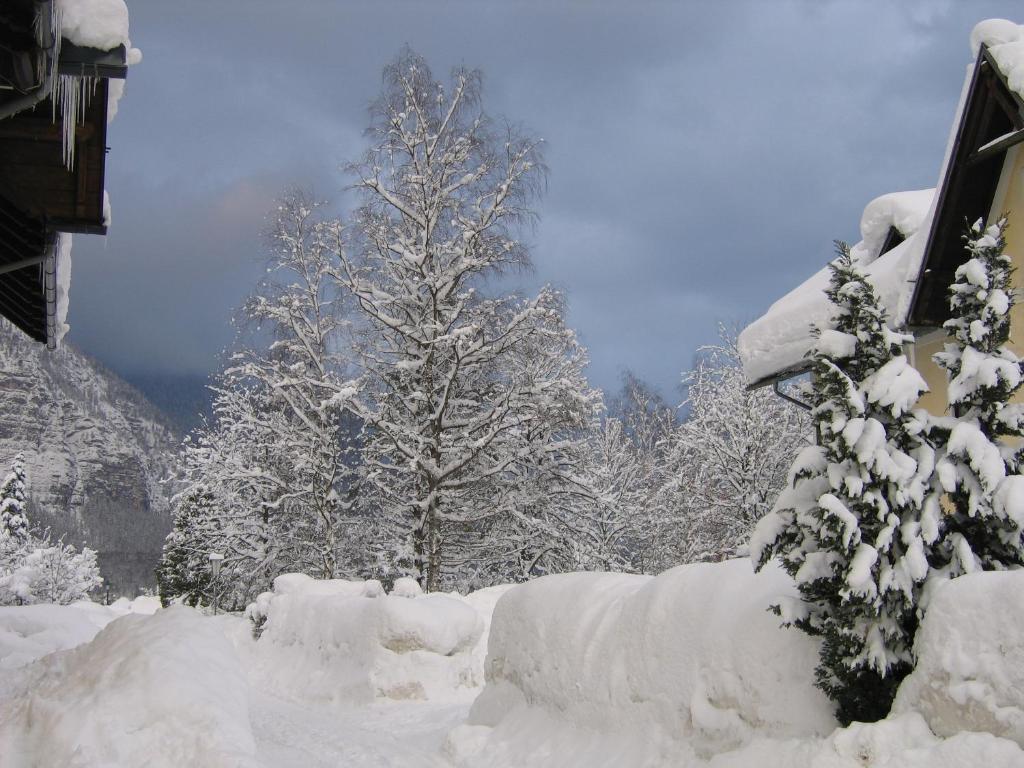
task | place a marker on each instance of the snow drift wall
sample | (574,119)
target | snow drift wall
(348,642)
(163,691)
(970,670)
(689,660)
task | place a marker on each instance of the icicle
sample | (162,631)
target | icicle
(73,94)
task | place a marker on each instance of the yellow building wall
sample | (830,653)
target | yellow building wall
(1009,199)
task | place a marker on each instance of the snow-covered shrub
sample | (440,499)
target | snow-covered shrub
(35,569)
(163,690)
(854,525)
(980,464)
(646,667)
(56,573)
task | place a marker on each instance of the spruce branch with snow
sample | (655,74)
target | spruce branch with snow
(13,522)
(980,464)
(855,522)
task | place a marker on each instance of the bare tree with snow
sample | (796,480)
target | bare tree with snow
(447,411)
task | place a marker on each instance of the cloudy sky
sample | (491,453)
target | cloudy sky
(703,155)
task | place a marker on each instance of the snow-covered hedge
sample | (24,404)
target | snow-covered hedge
(160,690)
(692,656)
(348,642)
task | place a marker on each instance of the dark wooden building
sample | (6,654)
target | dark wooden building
(53,134)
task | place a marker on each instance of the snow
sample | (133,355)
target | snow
(970,658)
(160,690)
(589,670)
(691,659)
(1005,42)
(99,24)
(29,632)
(345,642)
(781,338)
(63,270)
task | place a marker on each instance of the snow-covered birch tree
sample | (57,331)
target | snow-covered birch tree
(447,412)
(301,372)
(730,456)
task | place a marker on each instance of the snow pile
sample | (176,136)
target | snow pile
(970,670)
(29,632)
(99,24)
(1005,42)
(689,662)
(780,339)
(347,642)
(161,690)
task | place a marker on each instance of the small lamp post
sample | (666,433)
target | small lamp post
(215,560)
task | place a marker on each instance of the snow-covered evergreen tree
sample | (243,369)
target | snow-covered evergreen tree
(853,525)
(981,463)
(184,569)
(13,522)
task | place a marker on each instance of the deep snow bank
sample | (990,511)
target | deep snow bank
(161,690)
(29,632)
(690,660)
(347,642)
(970,670)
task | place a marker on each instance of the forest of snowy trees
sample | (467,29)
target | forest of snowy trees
(388,415)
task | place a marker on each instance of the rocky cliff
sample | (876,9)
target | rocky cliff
(95,453)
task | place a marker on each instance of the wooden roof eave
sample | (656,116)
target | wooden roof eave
(961,158)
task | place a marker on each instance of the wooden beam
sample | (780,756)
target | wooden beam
(996,146)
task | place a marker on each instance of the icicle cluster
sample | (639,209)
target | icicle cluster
(71,97)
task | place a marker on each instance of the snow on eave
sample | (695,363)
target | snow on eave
(777,344)
(101,24)
(1005,43)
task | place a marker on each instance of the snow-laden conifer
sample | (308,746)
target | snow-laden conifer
(853,525)
(980,466)
(13,522)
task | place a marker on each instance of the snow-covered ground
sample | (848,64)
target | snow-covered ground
(685,669)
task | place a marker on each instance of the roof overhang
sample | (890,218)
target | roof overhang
(53,145)
(991,122)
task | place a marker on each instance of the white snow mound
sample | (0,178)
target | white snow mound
(969,674)
(162,691)
(325,641)
(689,660)
(99,24)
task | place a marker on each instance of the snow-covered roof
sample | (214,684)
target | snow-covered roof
(99,24)
(778,342)
(1005,43)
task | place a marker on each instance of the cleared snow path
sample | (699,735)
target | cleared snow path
(382,735)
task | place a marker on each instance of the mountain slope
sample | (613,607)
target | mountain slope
(95,453)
